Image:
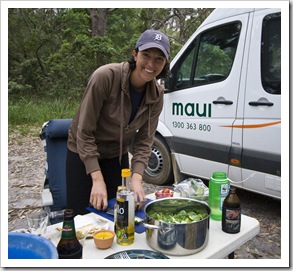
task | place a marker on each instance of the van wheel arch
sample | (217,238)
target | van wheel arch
(159,170)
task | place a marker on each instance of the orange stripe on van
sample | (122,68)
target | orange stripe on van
(249,126)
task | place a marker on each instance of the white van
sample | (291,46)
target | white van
(222,107)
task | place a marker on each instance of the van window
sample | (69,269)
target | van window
(271,53)
(209,59)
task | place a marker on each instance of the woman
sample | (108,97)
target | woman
(120,108)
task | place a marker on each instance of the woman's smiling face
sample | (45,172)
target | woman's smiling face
(149,64)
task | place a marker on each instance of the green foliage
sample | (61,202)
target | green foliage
(210,55)
(36,111)
(52,52)
(14,87)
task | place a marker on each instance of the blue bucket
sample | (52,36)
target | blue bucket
(29,246)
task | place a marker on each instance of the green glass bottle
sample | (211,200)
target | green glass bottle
(69,247)
(219,187)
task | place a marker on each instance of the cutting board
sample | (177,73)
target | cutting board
(139,228)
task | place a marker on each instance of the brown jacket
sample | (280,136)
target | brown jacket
(100,127)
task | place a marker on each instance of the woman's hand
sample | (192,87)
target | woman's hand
(98,197)
(136,186)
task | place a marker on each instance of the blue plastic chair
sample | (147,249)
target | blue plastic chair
(54,135)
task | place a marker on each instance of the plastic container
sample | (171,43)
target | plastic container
(192,188)
(30,246)
(164,192)
(219,186)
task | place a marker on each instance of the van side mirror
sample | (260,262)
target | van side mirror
(169,83)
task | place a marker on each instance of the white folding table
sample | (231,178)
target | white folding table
(220,244)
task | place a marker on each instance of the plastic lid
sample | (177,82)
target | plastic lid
(219,175)
(125,172)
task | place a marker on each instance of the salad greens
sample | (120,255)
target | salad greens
(180,217)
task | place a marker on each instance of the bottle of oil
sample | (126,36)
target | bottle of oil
(231,216)
(124,211)
(69,247)
(219,186)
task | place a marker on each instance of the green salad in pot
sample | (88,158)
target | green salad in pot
(177,211)
(180,217)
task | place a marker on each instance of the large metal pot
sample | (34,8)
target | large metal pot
(177,238)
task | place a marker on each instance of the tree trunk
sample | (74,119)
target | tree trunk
(94,17)
(99,20)
(102,21)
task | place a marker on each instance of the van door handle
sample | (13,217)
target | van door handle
(257,103)
(223,102)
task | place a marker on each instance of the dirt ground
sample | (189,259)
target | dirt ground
(26,163)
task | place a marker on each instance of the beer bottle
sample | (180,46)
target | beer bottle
(69,247)
(231,216)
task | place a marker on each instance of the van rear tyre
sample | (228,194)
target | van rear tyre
(159,170)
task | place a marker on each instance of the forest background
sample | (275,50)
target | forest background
(52,53)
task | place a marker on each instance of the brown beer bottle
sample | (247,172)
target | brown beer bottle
(69,247)
(231,212)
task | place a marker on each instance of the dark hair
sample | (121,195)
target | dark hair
(164,74)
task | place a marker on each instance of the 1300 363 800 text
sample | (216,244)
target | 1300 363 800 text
(192,126)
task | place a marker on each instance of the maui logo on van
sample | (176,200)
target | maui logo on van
(192,109)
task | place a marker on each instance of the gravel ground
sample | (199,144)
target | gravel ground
(26,177)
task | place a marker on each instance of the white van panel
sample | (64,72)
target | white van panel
(190,164)
(262,124)
(224,13)
(162,129)
(266,184)
(241,135)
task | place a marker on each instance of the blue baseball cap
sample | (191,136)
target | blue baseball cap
(154,39)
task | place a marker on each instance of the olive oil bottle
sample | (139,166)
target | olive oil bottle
(124,211)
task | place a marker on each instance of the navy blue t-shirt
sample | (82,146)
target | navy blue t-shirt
(136,99)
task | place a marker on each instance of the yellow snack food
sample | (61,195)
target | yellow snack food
(103,235)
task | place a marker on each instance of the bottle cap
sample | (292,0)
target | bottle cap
(125,172)
(219,175)
(232,189)
(68,214)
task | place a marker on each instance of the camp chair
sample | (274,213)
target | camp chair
(54,135)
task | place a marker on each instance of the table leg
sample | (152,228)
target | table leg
(231,255)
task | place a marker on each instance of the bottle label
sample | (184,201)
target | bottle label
(69,247)
(122,213)
(231,220)
(221,203)
(122,217)
(68,230)
(224,191)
